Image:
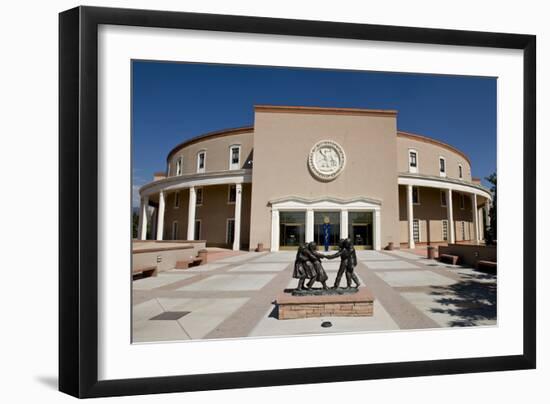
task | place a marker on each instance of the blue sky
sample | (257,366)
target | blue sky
(173,102)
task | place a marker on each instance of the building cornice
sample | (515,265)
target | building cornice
(310,201)
(324,110)
(425,139)
(209,135)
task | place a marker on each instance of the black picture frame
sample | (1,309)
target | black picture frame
(78,207)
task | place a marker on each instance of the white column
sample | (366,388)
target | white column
(237,227)
(450,217)
(191,214)
(410,216)
(344,223)
(378,230)
(142,229)
(160,216)
(274,230)
(309,225)
(475,217)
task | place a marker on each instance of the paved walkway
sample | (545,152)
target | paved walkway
(233,297)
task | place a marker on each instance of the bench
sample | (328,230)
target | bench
(138,273)
(451,259)
(191,262)
(491,265)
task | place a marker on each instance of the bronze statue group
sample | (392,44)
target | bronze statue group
(308,265)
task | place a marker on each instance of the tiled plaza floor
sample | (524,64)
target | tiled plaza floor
(234,297)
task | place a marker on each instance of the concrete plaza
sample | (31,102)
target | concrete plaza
(234,297)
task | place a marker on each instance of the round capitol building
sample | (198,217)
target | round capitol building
(315,174)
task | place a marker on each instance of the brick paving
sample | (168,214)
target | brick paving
(233,297)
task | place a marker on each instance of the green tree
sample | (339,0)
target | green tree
(135,224)
(491,231)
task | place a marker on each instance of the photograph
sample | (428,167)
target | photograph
(273,201)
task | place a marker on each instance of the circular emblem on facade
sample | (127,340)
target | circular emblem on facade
(326,160)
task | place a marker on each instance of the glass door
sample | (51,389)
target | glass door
(291,229)
(360,229)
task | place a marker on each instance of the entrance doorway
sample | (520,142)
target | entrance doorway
(360,229)
(292,229)
(326,230)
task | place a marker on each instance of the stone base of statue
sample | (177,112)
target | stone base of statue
(339,302)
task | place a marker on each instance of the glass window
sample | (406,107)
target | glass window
(412,159)
(199,196)
(179,164)
(459,171)
(443,198)
(232,197)
(235,154)
(441,165)
(201,157)
(415,195)
(177,199)
(461,201)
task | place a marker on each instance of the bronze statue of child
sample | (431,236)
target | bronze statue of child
(315,258)
(348,262)
(303,267)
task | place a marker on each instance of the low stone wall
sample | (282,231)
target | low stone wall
(163,255)
(470,254)
(359,304)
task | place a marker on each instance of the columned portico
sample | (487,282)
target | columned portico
(237,229)
(450,217)
(410,215)
(191,214)
(142,227)
(160,216)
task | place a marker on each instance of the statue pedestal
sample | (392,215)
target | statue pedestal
(359,304)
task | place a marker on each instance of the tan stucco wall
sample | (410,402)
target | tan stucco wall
(430,215)
(213,214)
(217,153)
(282,142)
(428,159)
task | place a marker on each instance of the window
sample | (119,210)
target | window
(415,196)
(461,201)
(413,161)
(199,196)
(460,171)
(230,231)
(201,161)
(197,229)
(463,230)
(442,168)
(234,157)
(443,198)
(179,165)
(232,194)
(175,230)
(445,230)
(177,200)
(416,231)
